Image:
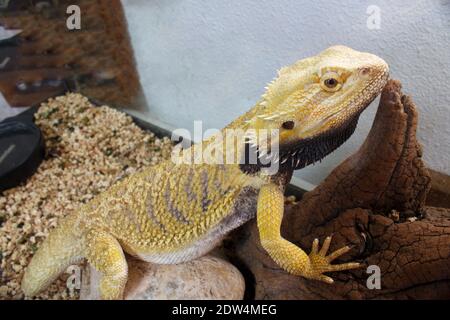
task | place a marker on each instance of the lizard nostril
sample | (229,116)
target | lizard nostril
(288,125)
(364,71)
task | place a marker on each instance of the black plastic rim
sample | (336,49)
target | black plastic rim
(24,166)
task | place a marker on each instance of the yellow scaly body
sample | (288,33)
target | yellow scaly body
(171,213)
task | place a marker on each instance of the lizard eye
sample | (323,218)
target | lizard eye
(331,82)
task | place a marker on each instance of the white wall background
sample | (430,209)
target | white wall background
(210,60)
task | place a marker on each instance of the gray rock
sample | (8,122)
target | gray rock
(205,278)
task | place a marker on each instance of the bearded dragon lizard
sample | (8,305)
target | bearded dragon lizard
(175,212)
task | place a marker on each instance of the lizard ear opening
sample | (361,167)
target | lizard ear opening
(288,125)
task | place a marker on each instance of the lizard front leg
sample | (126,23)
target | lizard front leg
(286,254)
(105,254)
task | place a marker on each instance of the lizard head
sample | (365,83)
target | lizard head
(316,102)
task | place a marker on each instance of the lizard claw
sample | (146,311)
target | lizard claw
(321,263)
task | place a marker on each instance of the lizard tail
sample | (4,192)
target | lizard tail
(62,248)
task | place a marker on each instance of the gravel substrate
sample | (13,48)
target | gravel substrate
(88,149)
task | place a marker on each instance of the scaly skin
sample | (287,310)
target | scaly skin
(171,213)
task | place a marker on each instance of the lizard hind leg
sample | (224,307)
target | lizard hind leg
(105,254)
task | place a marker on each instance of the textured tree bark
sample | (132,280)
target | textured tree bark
(374,201)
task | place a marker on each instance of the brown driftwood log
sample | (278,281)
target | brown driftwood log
(373,201)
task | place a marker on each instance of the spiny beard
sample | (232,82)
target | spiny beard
(297,155)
